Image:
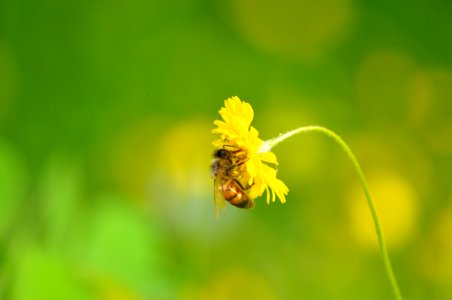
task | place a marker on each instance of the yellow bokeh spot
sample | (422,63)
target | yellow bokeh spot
(435,261)
(155,160)
(236,283)
(179,187)
(183,158)
(421,94)
(300,156)
(111,289)
(432,94)
(383,85)
(300,29)
(396,205)
(133,155)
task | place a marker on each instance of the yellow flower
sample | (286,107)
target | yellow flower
(258,173)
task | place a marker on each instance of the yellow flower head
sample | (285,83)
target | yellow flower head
(257,174)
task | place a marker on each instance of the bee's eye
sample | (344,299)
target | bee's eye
(222,153)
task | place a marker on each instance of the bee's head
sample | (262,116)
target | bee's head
(222,153)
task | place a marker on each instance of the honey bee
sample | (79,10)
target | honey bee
(226,186)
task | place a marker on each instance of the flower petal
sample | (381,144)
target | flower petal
(269,157)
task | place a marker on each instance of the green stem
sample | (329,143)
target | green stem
(268,145)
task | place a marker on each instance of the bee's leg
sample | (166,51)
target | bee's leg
(242,161)
(231,147)
(236,150)
(230,169)
(235,166)
(250,203)
(239,184)
(248,187)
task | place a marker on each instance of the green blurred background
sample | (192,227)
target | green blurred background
(106,109)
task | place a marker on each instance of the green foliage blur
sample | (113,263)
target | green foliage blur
(106,109)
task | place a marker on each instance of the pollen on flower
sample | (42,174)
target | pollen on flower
(254,164)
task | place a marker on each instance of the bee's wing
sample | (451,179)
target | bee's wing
(218,198)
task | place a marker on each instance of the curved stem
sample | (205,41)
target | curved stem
(268,145)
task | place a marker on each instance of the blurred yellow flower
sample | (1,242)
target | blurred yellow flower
(255,174)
